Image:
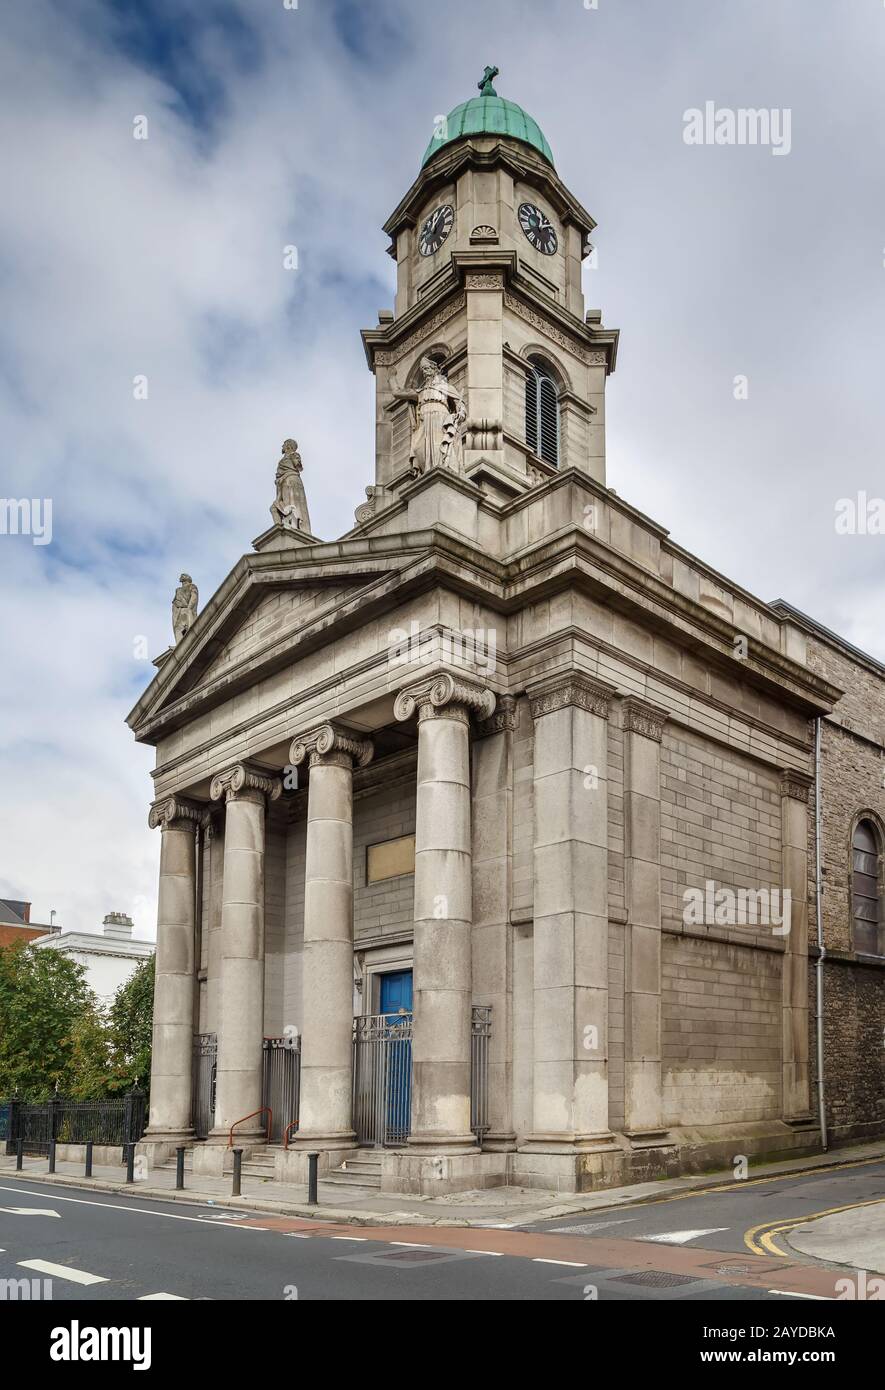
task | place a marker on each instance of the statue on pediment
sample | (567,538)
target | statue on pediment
(184,607)
(289,507)
(439,417)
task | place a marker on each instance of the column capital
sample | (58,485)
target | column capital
(796,784)
(245,782)
(444,696)
(330,745)
(170,810)
(640,717)
(503,720)
(570,689)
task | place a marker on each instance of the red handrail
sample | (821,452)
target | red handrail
(265,1109)
(293,1124)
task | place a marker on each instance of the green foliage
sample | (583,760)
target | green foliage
(55,1036)
(43,994)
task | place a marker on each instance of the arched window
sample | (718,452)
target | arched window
(542,412)
(866,900)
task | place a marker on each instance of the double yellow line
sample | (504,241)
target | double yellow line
(762,1239)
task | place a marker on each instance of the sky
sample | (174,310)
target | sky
(155,348)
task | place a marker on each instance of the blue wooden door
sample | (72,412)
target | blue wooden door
(396,995)
(396,992)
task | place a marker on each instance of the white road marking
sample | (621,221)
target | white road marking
(296,1235)
(155,1297)
(29,1211)
(499,1254)
(363,1238)
(124,1206)
(818,1297)
(410,1244)
(573,1264)
(682,1237)
(76,1276)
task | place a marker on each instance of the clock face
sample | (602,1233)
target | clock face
(436,229)
(538,229)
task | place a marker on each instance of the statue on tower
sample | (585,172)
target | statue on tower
(289,507)
(439,416)
(184,607)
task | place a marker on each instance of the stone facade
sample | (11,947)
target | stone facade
(604,750)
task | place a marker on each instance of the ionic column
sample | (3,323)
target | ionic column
(794,880)
(326,1115)
(246,789)
(443,909)
(175,980)
(570,913)
(643,726)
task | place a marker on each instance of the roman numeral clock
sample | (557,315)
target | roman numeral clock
(538,228)
(435,229)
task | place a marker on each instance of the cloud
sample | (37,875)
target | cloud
(270,126)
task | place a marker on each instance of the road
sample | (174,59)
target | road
(723,1245)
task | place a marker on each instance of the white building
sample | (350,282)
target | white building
(109,959)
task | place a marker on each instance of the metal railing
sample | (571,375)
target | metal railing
(116,1121)
(480,1035)
(382,1075)
(281,1083)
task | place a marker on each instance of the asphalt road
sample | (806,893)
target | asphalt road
(727,1244)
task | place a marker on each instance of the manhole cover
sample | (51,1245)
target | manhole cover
(656,1279)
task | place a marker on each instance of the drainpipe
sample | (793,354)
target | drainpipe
(821,949)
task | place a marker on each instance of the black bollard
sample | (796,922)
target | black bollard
(238,1173)
(52,1155)
(312,1160)
(179,1169)
(89,1143)
(130,1163)
(19,1154)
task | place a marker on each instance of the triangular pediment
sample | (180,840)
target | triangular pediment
(270,607)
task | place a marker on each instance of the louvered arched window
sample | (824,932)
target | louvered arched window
(866,888)
(542,412)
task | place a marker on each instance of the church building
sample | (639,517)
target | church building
(503,841)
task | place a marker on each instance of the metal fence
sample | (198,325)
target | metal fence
(203,1092)
(118,1121)
(281,1083)
(382,1075)
(480,1034)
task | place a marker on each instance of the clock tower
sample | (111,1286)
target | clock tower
(489,244)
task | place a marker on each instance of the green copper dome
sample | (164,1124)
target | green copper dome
(489,114)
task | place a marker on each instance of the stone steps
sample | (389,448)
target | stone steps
(362,1170)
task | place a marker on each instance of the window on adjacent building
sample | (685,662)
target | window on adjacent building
(542,412)
(390,858)
(866,895)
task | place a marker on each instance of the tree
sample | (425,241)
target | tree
(43,995)
(130,1023)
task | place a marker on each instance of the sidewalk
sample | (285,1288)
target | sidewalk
(500,1207)
(855,1238)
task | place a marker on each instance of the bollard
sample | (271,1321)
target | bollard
(19,1154)
(52,1155)
(312,1160)
(238,1172)
(130,1163)
(179,1169)
(89,1143)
